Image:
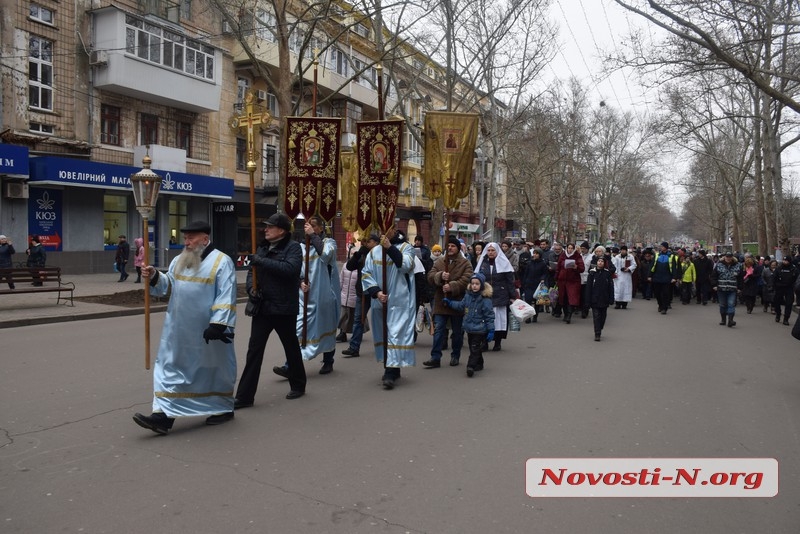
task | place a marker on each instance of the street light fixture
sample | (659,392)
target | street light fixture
(146,185)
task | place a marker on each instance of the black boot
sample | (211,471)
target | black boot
(731,322)
(723,318)
(497,346)
(777,317)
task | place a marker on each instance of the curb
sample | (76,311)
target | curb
(122,312)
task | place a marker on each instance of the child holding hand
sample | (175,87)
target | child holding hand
(478,319)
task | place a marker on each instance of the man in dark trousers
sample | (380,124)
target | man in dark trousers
(277,263)
(663,274)
(356,263)
(123,253)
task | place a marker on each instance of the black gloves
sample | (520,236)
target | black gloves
(216,331)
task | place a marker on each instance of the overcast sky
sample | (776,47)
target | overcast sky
(589,28)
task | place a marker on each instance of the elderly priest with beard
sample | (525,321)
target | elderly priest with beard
(195,368)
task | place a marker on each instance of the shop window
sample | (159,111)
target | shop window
(115,219)
(177,220)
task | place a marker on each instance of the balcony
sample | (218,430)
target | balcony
(155,62)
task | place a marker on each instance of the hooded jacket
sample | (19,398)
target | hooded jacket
(478,310)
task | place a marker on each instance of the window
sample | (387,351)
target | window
(42,128)
(148,129)
(242,86)
(186,9)
(296,40)
(183,137)
(266,24)
(269,166)
(362,30)
(115,218)
(350,111)
(241,154)
(41,14)
(40,73)
(272,104)
(109,124)
(339,61)
(155,44)
(177,219)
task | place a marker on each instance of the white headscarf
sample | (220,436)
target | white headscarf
(501,263)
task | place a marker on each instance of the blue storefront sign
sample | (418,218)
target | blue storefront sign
(13,160)
(81,173)
(44,216)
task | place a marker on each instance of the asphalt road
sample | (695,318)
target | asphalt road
(441,453)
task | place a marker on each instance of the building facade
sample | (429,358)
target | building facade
(88,88)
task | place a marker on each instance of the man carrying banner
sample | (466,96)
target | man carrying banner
(322,300)
(397,341)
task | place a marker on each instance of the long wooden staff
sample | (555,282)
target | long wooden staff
(384,281)
(304,340)
(146,297)
(385,310)
(305,294)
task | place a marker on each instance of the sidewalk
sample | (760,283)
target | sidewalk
(41,308)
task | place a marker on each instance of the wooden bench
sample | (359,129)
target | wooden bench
(36,280)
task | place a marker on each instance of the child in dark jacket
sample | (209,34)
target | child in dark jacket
(478,319)
(600,293)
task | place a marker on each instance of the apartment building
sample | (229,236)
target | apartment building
(87,88)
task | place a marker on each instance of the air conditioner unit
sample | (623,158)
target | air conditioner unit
(98,58)
(262,95)
(226,27)
(16,190)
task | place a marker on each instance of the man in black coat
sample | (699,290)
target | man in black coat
(278,264)
(356,263)
(703,265)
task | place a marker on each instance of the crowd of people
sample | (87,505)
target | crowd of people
(394,289)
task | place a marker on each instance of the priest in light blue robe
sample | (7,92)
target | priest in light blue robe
(195,369)
(399,298)
(322,318)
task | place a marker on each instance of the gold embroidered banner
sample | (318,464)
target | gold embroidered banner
(379,152)
(312,166)
(348,184)
(450,140)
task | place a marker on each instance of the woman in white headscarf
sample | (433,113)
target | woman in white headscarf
(499,273)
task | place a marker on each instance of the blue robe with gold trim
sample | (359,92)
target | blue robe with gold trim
(402,305)
(323,300)
(191,377)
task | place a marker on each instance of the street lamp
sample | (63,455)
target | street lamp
(146,185)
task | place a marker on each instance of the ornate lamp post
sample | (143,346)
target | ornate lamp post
(146,185)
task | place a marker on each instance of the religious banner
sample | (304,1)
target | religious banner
(450,140)
(312,166)
(379,156)
(348,184)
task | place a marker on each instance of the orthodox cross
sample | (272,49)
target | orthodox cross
(250,119)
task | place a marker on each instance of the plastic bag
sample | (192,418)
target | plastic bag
(542,295)
(513,323)
(522,310)
(554,293)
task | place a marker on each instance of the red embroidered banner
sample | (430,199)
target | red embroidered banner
(379,149)
(312,166)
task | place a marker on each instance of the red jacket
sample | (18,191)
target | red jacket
(569,280)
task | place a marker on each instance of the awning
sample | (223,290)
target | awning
(47,170)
